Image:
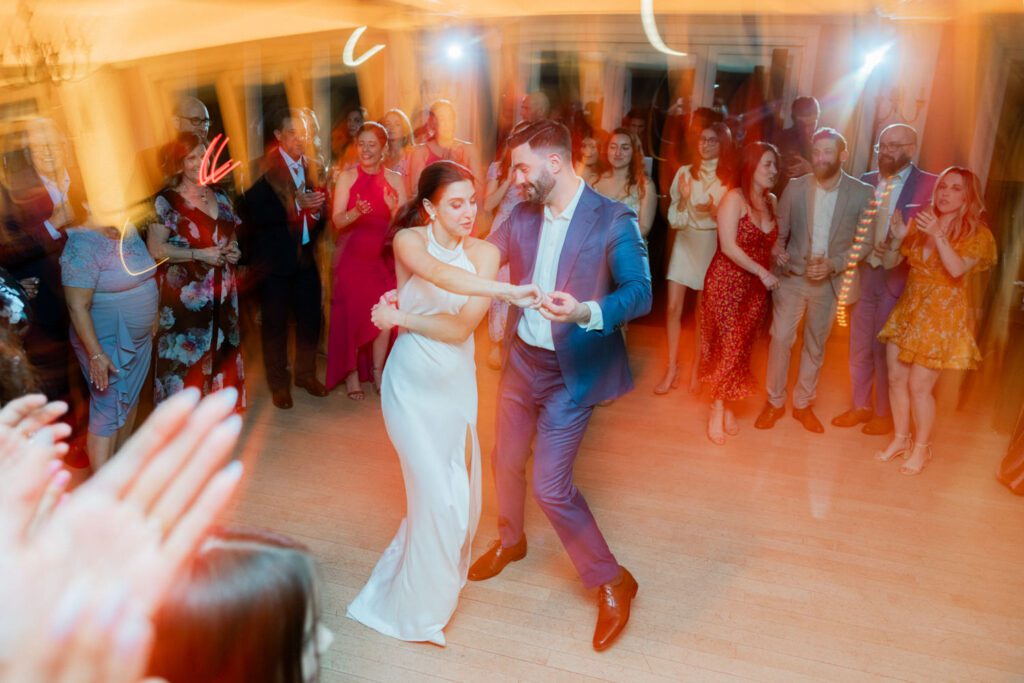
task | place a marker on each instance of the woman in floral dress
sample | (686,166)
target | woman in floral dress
(196,243)
(931,328)
(736,286)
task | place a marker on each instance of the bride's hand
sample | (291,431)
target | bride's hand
(384,314)
(523,296)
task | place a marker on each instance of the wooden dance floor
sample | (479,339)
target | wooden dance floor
(783,556)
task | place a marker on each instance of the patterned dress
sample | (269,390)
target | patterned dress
(734,305)
(197,344)
(932,322)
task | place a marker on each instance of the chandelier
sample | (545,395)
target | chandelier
(29,59)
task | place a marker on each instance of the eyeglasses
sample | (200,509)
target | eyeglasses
(709,141)
(196,121)
(892,146)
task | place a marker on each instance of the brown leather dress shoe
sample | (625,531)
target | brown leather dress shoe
(853,417)
(613,603)
(312,386)
(494,560)
(878,426)
(808,419)
(769,416)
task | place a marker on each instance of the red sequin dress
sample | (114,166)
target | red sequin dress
(733,307)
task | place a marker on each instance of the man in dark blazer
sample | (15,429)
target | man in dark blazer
(906,190)
(282,216)
(566,356)
(818,218)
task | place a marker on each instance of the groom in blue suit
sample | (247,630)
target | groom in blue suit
(567,355)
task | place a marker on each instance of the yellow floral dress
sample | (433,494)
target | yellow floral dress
(932,322)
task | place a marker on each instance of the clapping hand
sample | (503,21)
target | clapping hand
(897,226)
(362,206)
(310,201)
(81,587)
(928,223)
(684,189)
(390,200)
(232,253)
(562,307)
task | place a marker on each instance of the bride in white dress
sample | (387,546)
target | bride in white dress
(429,401)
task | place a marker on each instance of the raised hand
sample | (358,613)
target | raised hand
(897,226)
(82,586)
(390,200)
(684,189)
(928,223)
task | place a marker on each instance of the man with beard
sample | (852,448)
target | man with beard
(818,217)
(566,356)
(902,190)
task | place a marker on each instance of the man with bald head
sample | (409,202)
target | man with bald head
(902,190)
(192,116)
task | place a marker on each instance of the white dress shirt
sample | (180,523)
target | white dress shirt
(885,211)
(824,210)
(535,329)
(299,178)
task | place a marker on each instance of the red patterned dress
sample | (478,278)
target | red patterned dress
(733,307)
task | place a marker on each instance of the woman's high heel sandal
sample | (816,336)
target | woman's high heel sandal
(917,463)
(669,382)
(715,434)
(890,452)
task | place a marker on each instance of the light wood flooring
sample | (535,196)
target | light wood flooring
(783,556)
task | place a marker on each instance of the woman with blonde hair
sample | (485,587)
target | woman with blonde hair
(931,327)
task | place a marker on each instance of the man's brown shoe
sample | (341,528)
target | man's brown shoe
(613,602)
(769,416)
(494,560)
(808,419)
(878,426)
(853,417)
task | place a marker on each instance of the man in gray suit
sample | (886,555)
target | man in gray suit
(818,218)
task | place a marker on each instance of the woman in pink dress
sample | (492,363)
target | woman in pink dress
(365,199)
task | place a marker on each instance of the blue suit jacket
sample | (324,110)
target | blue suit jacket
(604,259)
(915,197)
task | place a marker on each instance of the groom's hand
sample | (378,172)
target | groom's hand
(561,307)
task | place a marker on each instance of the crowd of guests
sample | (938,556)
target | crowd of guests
(761,227)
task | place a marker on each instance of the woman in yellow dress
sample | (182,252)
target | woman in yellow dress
(931,327)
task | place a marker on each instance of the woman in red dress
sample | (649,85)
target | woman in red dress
(365,199)
(736,286)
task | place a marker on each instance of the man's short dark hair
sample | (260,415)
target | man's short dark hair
(279,116)
(805,106)
(545,134)
(827,133)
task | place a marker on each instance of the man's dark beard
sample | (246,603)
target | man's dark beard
(829,171)
(539,190)
(889,166)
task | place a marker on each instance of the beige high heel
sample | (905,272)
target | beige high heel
(885,456)
(908,469)
(729,421)
(669,382)
(715,434)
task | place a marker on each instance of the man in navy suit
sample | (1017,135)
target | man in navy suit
(567,355)
(909,192)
